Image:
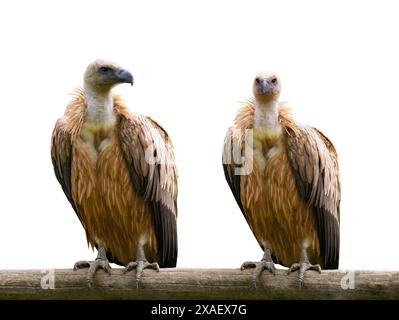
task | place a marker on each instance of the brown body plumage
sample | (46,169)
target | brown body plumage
(291,197)
(120,178)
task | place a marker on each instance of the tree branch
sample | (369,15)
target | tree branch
(197,284)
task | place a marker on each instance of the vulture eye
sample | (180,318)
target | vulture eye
(257,80)
(104,70)
(274,80)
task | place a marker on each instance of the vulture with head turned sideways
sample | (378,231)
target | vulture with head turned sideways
(285,179)
(117,170)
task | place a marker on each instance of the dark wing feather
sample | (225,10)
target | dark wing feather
(233,163)
(314,162)
(148,153)
(61,156)
(232,157)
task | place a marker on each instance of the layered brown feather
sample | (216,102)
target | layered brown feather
(121,198)
(292,194)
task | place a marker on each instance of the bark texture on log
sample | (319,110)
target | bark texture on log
(197,284)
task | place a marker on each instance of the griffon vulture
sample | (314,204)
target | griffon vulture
(285,179)
(117,170)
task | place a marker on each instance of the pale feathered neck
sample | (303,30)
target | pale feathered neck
(266,116)
(100,105)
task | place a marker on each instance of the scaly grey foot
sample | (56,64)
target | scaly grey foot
(99,263)
(140,265)
(303,267)
(265,264)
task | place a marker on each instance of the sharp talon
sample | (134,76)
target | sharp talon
(140,266)
(80,264)
(155,266)
(265,264)
(303,267)
(93,266)
(293,268)
(130,266)
(137,284)
(247,265)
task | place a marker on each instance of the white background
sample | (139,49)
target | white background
(192,62)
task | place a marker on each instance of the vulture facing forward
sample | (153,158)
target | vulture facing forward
(285,179)
(117,170)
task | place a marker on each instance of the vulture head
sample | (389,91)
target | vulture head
(103,75)
(266,87)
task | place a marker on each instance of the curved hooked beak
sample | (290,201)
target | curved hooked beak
(264,86)
(124,76)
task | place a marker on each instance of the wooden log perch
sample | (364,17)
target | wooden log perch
(197,284)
